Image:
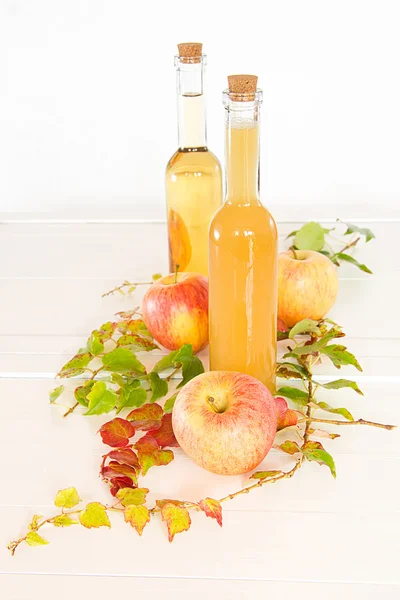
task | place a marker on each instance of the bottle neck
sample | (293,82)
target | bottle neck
(191,105)
(242,153)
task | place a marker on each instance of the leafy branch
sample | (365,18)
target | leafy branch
(144,439)
(312,236)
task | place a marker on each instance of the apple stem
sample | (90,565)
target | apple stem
(294,252)
(176,273)
(211,402)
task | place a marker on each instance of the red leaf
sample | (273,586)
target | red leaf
(117,432)
(286,416)
(212,508)
(125,456)
(147,417)
(177,519)
(114,469)
(118,483)
(164,435)
(150,454)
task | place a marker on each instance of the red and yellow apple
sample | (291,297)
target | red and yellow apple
(307,286)
(225,421)
(175,310)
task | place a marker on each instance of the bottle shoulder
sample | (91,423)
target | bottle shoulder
(194,160)
(243,220)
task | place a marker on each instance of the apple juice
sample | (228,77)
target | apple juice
(243,250)
(193,175)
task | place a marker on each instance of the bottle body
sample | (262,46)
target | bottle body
(194,194)
(193,174)
(243,258)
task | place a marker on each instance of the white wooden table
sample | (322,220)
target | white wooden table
(310,537)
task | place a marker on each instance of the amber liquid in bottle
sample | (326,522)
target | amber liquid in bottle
(243,257)
(193,175)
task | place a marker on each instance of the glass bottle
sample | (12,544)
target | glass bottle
(193,175)
(243,249)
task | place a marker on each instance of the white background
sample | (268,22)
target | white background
(87,100)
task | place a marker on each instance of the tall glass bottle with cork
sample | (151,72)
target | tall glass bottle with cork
(243,249)
(193,175)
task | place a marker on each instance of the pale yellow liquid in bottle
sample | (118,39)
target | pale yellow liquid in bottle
(243,269)
(194,193)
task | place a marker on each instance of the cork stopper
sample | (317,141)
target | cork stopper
(190,52)
(242,88)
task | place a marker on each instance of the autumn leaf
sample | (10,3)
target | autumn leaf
(289,447)
(64,521)
(131,395)
(56,393)
(304,326)
(118,483)
(177,519)
(128,496)
(265,474)
(125,456)
(159,386)
(342,383)
(34,539)
(67,498)
(33,525)
(115,469)
(164,435)
(76,364)
(338,411)
(323,433)
(116,433)
(82,392)
(137,343)
(137,516)
(212,508)
(288,370)
(150,455)
(314,451)
(132,326)
(123,360)
(319,344)
(95,515)
(106,331)
(101,399)
(161,503)
(340,356)
(147,417)
(94,345)
(297,396)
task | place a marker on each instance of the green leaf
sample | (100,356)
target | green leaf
(130,397)
(95,515)
(101,400)
(342,383)
(33,525)
(304,326)
(288,370)
(310,237)
(353,261)
(94,345)
(128,496)
(289,447)
(123,360)
(338,411)
(34,539)
(137,343)
(106,331)
(64,521)
(56,393)
(169,403)
(314,451)
(369,235)
(159,386)
(67,498)
(82,392)
(340,356)
(137,516)
(166,362)
(75,365)
(177,519)
(265,474)
(335,332)
(191,367)
(297,396)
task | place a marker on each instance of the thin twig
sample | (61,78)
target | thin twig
(129,284)
(309,419)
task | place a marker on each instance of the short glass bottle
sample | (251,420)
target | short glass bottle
(193,174)
(243,250)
